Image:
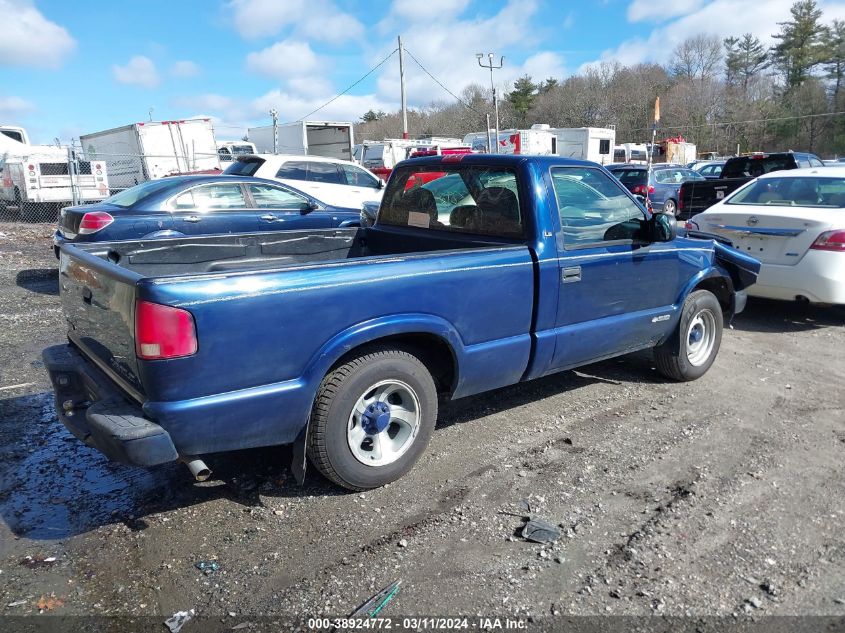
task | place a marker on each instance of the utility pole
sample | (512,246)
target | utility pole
(402,89)
(492,66)
(275,114)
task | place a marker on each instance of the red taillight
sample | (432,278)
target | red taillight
(163,331)
(31,167)
(689,225)
(94,221)
(830,241)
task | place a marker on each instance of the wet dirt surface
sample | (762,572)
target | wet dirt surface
(718,497)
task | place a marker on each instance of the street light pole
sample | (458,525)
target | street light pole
(275,114)
(492,66)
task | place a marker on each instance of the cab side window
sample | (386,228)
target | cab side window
(593,208)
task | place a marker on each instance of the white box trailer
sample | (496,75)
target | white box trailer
(150,150)
(680,153)
(332,139)
(586,143)
(537,141)
(38,179)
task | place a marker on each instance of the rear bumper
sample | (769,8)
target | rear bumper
(819,276)
(96,413)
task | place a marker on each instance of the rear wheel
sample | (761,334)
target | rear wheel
(372,419)
(670,208)
(691,350)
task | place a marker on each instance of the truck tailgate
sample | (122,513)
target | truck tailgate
(98,299)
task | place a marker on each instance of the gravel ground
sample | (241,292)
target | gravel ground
(722,497)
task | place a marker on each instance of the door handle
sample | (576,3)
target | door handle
(269,217)
(193,218)
(572,274)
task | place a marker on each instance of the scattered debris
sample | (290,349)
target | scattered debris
(48,603)
(403,543)
(17,603)
(372,607)
(178,620)
(540,531)
(207,567)
(836,600)
(770,588)
(755,602)
(39,560)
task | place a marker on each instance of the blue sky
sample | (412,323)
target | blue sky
(70,68)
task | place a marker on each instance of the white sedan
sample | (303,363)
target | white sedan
(793,222)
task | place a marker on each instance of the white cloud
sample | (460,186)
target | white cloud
(462,38)
(30,39)
(292,107)
(13,107)
(722,18)
(661,10)
(283,59)
(417,11)
(139,71)
(185,68)
(317,19)
(209,101)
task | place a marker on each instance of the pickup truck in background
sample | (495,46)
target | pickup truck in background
(697,196)
(340,341)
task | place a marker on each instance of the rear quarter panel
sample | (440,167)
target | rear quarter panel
(267,339)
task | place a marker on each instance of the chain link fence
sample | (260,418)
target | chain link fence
(34,188)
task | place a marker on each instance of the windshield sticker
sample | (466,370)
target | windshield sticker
(418,219)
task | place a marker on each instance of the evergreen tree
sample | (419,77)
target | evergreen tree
(801,47)
(745,57)
(547,86)
(835,56)
(522,96)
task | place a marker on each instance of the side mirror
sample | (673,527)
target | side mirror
(310,206)
(641,199)
(369,213)
(663,228)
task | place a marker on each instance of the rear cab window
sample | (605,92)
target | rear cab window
(753,166)
(474,199)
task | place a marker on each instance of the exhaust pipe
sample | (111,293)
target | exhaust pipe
(198,468)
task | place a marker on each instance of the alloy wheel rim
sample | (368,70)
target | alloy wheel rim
(383,423)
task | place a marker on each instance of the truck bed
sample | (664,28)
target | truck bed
(266,251)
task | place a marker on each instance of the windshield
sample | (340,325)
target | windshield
(793,192)
(129,197)
(240,150)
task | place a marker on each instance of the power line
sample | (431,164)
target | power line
(727,123)
(437,81)
(339,95)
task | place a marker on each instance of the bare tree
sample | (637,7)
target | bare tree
(699,56)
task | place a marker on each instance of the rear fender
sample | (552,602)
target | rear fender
(375,329)
(361,334)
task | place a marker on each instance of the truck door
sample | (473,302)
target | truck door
(617,290)
(213,208)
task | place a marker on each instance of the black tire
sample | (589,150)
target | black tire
(328,447)
(676,358)
(670,208)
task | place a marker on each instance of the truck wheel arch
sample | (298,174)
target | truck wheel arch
(432,339)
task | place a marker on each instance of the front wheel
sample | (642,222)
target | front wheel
(691,350)
(372,419)
(670,208)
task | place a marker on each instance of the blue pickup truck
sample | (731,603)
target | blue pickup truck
(340,341)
